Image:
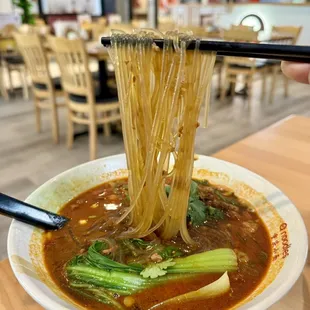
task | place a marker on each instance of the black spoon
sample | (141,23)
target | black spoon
(29,214)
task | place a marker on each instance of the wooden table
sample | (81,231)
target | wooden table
(281,154)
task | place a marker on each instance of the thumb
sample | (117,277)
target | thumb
(299,72)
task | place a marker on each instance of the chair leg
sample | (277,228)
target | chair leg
(70,128)
(264,76)
(38,114)
(3,89)
(223,89)
(219,81)
(93,138)
(55,123)
(233,89)
(250,88)
(286,82)
(107,127)
(273,84)
(24,83)
(10,79)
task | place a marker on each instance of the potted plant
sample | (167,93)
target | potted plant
(25,6)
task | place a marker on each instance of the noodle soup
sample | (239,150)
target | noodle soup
(231,223)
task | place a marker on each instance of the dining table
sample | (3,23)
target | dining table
(96,50)
(279,153)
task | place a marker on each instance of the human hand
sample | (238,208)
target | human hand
(299,72)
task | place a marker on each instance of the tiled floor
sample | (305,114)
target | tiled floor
(28,159)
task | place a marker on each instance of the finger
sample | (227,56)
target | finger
(299,72)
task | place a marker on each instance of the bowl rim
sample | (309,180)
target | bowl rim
(272,298)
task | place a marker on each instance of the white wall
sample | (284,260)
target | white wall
(6,6)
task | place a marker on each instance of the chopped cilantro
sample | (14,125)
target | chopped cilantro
(156,270)
(198,212)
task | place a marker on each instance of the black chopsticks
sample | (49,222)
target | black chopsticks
(29,214)
(296,53)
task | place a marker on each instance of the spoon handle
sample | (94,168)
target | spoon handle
(29,214)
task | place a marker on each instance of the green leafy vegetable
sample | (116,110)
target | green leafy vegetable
(99,276)
(216,288)
(196,212)
(226,199)
(214,213)
(140,243)
(202,182)
(99,294)
(170,252)
(193,193)
(218,260)
(95,257)
(156,270)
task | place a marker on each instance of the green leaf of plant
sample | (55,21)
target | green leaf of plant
(196,212)
(214,213)
(193,193)
(96,258)
(170,252)
(157,270)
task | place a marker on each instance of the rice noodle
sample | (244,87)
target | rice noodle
(160,93)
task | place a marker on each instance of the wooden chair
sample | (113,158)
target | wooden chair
(45,89)
(102,21)
(139,23)
(292,31)
(84,107)
(275,66)
(11,61)
(235,66)
(71,33)
(241,28)
(97,30)
(196,30)
(240,35)
(39,21)
(123,27)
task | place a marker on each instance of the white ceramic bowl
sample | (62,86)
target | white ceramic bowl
(282,219)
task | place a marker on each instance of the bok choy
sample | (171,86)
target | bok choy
(216,288)
(97,275)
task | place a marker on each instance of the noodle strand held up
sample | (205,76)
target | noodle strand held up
(160,93)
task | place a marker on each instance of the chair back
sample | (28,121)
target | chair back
(166,24)
(243,36)
(240,35)
(73,62)
(39,21)
(292,31)
(34,54)
(8,30)
(98,30)
(241,27)
(123,27)
(102,21)
(196,30)
(25,28)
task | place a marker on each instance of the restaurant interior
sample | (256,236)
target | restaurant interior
(48,127)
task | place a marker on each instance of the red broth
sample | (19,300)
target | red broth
(93,215)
